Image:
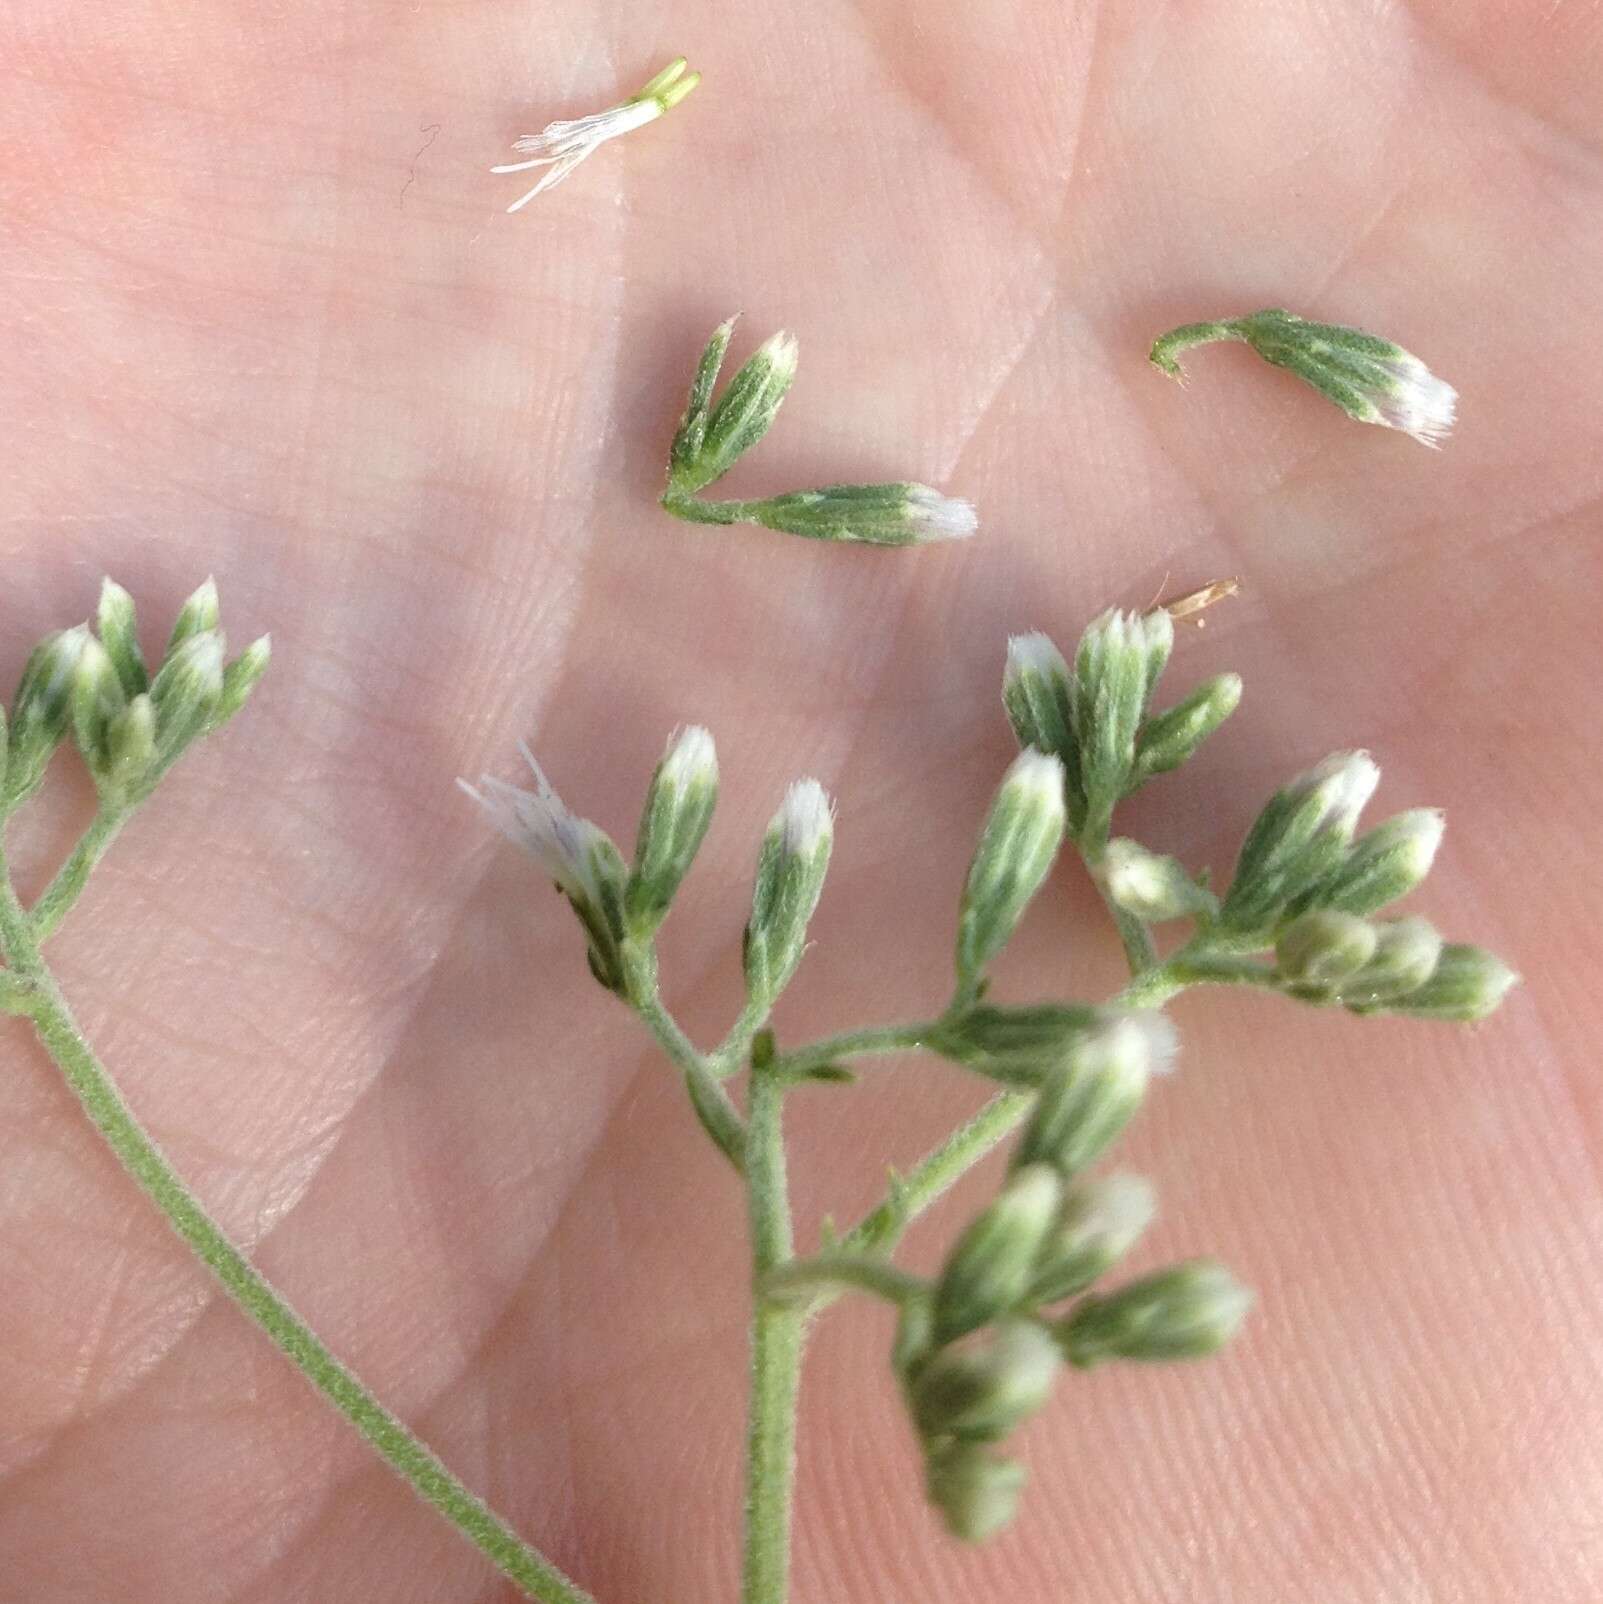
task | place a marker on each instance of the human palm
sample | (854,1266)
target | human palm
(268,320)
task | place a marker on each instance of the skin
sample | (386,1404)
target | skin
(265,319)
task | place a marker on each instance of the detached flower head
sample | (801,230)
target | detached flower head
(1369,378)
(562,145)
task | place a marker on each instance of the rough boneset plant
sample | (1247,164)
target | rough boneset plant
(982,1345)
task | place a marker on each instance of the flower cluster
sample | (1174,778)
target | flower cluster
(131,726)
(713,436)
(981,1346)
(979,1350)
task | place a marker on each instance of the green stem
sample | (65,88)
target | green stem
(1139,952)
(1189,968)
(855,1043)
(56,900)
(777,1335)
(832,1272)
(718,1115)
(1166,348)
(729,1056)
(877,1231)
(694,510)
(145,1163)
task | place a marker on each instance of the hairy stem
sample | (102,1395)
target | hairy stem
(1193,966)
(694,510)
(718,1115)
(833,1272)
(777,1335)
(853,1044)
(1166,349)
(939,1169)
(56,900)
(144,1161)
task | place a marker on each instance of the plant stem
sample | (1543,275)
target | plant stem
(718,1115)
(56,900)
(833,1272)
(729,1056)
(777,1334)
(694,510)
(1167,348)
(877,1231)
(1189,967)
(854,1043)
(148,1165)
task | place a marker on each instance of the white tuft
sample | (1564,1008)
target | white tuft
(690,759)
(1345,781)
(805,819)
(780,351)
(1139,1042)
(1117,1208)
(1036,778)
(1416,401)
(559,841)
(1034,654)
(562,145)
(936,517)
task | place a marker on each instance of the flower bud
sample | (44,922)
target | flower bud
(988,1273)
(899,514)
(742,415)
(1084,1105)
(198,615)
(130,747)
(1116,667)
(1036,696)
(119,634)
(679,804)
(1370,379)
(1169,738)
(1386,863)
(580,858)
(186,691)
(1018,843)
(981,1390)
(1323,948)
(97,699)
(1298,840)
(1185,1312)
(790,878)
(1406,954)
(687,443)
(1151,887)
(42,708)
(1097,1225)
(1017,1046)
(1467,984)
(915,1340)
(977,1492)
(240,677)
